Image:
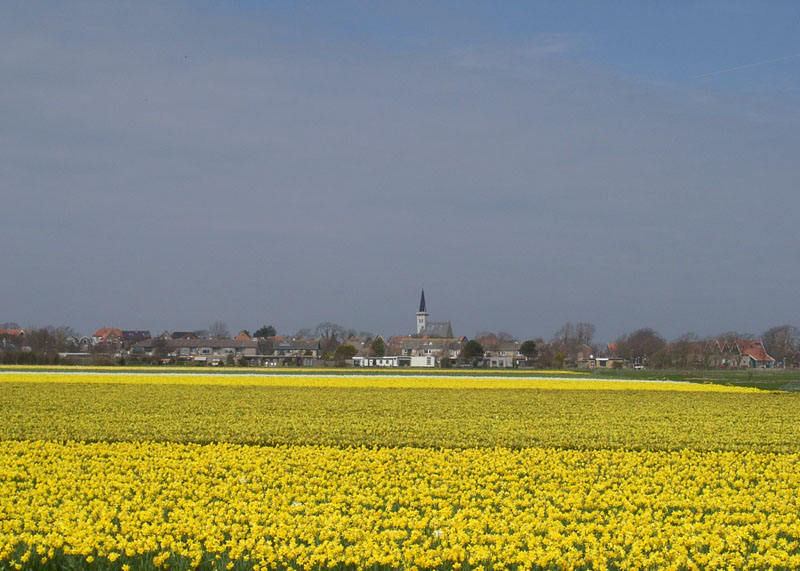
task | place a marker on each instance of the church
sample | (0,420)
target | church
(431,329)
(432,339)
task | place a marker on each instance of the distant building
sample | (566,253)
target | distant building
(129,337)
(107,335)
(503,355)
(394,361)
(209,351)
(606,363)
(16,333)
(433,339)
(11,338)
(433,329)
(183,335)
(738,354)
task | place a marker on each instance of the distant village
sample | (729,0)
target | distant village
(432,344)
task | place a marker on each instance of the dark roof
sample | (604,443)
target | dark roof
(437,329)
(194,343)
(297,344)
(422,302)
(184,335)
(135,334)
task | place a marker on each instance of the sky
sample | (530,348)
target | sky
(167,165)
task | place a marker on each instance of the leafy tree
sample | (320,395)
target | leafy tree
(379,347)
(471,352)
(344,352)
(528,349)
(265,331)
(160,348)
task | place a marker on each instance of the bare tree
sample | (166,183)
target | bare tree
(330,335)
(683,352)
(782,342)
(569,339)
(219,330)
(564,336)
(65,338)
(640,345)
(584,333)
(544,353)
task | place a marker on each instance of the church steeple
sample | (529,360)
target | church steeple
(422,314)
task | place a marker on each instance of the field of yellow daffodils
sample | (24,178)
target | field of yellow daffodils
(141,471)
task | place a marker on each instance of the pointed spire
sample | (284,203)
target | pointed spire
(422,303)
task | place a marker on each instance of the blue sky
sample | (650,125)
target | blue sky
(649,42)
(629,164)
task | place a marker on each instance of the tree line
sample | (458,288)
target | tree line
(570,346)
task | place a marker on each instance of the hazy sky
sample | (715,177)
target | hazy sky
(629,164)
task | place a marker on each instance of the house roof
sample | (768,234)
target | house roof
(12,332)
(755,349)
(135,334)
(105,332)
(437,329)
(196,343)
(297,344)
(184,335)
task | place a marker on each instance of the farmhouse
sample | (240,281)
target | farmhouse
(738,354)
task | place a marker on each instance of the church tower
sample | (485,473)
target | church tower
(422,314)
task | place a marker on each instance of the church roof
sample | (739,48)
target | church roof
(437,329)
(422,303)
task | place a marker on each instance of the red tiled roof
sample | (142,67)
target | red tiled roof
(755,349)
(12,332)
(104,332)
